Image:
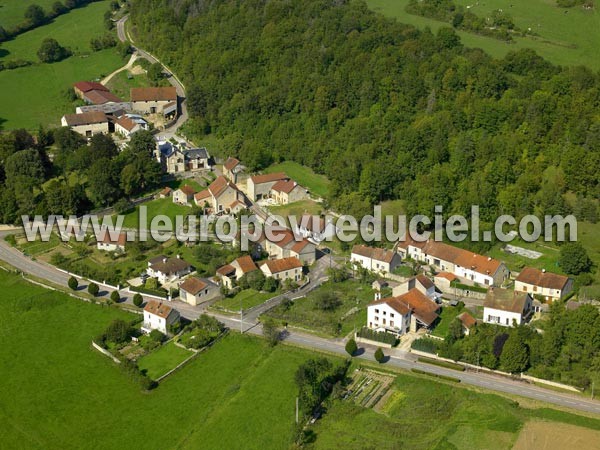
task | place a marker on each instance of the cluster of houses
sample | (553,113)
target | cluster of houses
(106,113)
(277,187)
(415,302)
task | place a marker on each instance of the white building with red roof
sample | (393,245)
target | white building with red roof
(375,259)
(112,242)
(159,316)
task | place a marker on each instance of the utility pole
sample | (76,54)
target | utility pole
(241,317)
(296,410)
(593,389)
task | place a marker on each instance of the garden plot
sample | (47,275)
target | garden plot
(531,254)
(368,388)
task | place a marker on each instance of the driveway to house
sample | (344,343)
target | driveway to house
(124,36)
(397,358)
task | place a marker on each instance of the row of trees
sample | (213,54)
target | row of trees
(79,177)
(384,110)
(567,351)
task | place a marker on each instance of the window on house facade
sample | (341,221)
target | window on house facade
(384,321)
(377,311)
(391,323)
(391,314)
(376,319)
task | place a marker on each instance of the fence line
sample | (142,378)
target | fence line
(105,352)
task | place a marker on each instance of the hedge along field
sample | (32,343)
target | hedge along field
(34,95)
(57,392)
(564,38)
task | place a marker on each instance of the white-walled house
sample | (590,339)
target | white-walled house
(194,291)
(159,316)
(419,282)
(168,269)
(184,195)
(316,229)
(506,307)
(375,259)
(550,286)
(462,263)
(235,270)
(110,244)
(400,314)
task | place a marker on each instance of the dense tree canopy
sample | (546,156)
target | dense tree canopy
(384,110)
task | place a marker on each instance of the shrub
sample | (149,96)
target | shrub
(73,283)
(327,301)
(51,51)
(440,363)
(115,297)
(117,332)
(151,283)
(379,356)
(93,289)
(351,347)
(379,336)
(271,332)
(157,336)
(138,300)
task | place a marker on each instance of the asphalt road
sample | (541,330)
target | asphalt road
(397,358)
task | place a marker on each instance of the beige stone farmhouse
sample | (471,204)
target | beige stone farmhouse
(194,291)
(232,272)
(375,259)
(221,196)
(283,243)
(283,269)
(86,124)
(154,100)
(547,285)
(184,195)
(232,170)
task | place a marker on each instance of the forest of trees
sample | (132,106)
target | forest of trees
(78,178)
(384,110)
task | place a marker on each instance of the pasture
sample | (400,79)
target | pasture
(566,36)
(12,12)
(318,185)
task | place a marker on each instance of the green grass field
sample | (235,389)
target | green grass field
(447,315)
(35,94)
(160,361)
(73,30)
(564,38)
(304,313)
(426,414)
(297,209)
(12,11)
(247,299)
(317,184)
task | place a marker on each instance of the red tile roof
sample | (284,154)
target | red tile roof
(120,240)
(187,190)
(505,300)
(447,275)
(97,97)
(467,320)
(269,177)
(464,258)
(281,265)
(548,280)
(85,86)
(426,282)
(285,186)
(154,94)
(378,254)
(218,186)
(226,270)
(126,123)
(158,309)
(414,300)
(231,163)
(166,191)
(193,285)
(246,264)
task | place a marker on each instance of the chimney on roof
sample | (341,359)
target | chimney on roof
(178,256)
(489,258)
(543,270)
(165,260)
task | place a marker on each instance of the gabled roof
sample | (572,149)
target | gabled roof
(414,300)
(218,186)
(126,123)
(463,258)
(196,153)
(269,177)
(231,163)
(154,94)
(101,97)
(193,285)
(107,239)
(166,191)
(187,190)
(285,186)
(169,265)
(202,195)
(536,277)
(158,309)
(226,270)
(281,236)
(378,254)
(409,241)
(86,86)
(301,245)
(505,300)
(447,275)
(281,265)
(467,320)
(246,264)
(74,120)
(425,282)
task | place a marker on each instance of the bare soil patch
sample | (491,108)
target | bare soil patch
(542,435)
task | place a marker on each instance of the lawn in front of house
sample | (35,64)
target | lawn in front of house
(297,209)
(245,299)
(317,184)
(162,360)
(447,315)
(304,312)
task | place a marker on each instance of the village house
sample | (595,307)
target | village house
(546,285)
(316,229)
(259,186)
(184,195)
(110,109)
(444,280)
(419,282)
(288,191)
(401,314)
(126,126)
(165,192)
(506,307)
(168,269)
(194,290)
(82,87)
(232,170)
(87,124)
(110,244)
(375,259)
(159,316)
(154,100)
(467,321)
(283,269)
(285,244)
(221,196)
(462,263)
(178,159)
(100,97)
(230,273)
